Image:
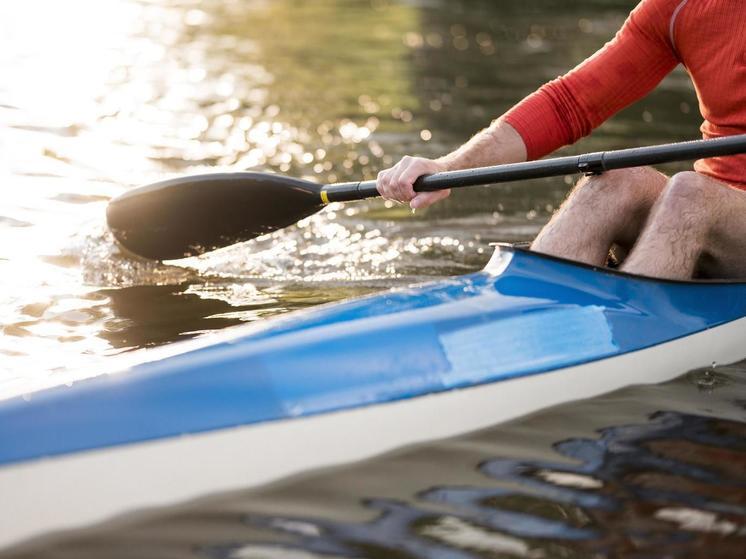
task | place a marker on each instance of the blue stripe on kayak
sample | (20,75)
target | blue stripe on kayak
(539,315)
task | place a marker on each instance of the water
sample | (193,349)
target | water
(642,472)
(99,97)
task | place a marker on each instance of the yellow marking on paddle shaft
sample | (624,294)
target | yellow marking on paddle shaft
(324,197)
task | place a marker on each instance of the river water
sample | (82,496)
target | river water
(99,97)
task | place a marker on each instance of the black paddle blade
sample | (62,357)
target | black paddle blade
(191,215)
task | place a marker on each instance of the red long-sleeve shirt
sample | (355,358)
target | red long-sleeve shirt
(707,36)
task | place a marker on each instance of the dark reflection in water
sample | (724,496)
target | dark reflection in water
(653,471)
(151,315)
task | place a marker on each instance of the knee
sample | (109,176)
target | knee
(688,190)
(687,199)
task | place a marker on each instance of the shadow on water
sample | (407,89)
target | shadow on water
(642,472)
(151,315)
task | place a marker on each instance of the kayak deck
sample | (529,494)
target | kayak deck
(523,315)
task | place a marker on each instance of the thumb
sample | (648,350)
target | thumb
(425,199)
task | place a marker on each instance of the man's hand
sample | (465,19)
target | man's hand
(500,143)
(397,183)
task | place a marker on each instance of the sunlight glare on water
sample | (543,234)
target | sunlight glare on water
(98,97)
(58,169)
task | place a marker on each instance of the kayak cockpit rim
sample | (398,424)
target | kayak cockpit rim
(507,247)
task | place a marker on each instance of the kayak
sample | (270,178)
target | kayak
(347,381)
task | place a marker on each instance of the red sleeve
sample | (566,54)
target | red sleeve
(623,71)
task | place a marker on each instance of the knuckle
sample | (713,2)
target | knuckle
(408,176)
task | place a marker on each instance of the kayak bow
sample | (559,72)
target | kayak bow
(347,381)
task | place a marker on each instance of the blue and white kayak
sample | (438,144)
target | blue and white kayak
(347,381)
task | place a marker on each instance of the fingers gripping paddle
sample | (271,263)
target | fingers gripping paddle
(191,215)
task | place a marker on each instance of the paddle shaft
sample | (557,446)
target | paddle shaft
(592,163)
(190,215)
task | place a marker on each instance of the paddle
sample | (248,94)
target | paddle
(191,215)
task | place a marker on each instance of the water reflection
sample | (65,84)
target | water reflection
(640,472)
(146,316)
(673,481)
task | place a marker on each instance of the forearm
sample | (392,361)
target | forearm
(495,145)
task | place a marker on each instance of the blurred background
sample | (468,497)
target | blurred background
(98,97)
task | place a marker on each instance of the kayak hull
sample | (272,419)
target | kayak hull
(348,381)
